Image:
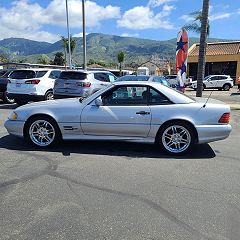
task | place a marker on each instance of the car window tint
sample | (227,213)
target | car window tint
(111,77)
(73,75)
(40,73)
(127,95)
(133,78)
(214,78)
(23,74)
(54,74)
(157,98)
(103,77)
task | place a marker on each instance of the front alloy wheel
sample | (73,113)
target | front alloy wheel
(42,132)
(176,139)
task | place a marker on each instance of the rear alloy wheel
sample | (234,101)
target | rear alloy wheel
(6,99)
(176,138)
(226,87)
(49,95)
(42,132)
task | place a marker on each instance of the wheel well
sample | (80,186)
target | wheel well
(227,84)
(49,90)
(38,115)
(179,120)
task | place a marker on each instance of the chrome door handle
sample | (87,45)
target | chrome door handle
(143,113)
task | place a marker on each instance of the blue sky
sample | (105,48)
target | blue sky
(45,20)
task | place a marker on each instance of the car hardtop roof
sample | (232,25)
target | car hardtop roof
(136,83)
(85,71)
(35,69)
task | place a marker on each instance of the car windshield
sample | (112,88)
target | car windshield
(206,77)
(73,75)
(133,78)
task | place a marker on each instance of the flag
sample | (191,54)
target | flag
(181,56)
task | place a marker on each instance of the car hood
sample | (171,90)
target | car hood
(51,104)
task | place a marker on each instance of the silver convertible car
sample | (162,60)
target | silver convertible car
(129,111)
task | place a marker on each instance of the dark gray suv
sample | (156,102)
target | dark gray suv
(81,83)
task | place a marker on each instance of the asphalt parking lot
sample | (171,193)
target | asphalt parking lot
(112,190)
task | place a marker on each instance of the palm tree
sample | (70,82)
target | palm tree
(121,56)
(73,44)
(195,26)
(202,48)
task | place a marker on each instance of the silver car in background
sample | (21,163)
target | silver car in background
(80,83)
(126,111)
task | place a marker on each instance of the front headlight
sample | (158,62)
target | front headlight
(13,116)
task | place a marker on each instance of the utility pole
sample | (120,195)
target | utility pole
(69,39)
(84,36)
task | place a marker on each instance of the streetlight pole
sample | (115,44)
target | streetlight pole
(84,36)
(69,43)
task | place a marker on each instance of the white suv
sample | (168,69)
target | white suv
(26,85)
(220,82)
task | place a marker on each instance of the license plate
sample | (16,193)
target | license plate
(18,85)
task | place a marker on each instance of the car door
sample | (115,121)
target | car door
(212,82)
(124,112)
(103,79)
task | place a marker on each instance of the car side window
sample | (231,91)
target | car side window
(40,73)
(127,95)
(54,74)
(103,77)
(111,77)
(214,78)
(156,98)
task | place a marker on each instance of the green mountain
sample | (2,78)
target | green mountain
(100,47)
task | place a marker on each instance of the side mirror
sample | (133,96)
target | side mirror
(98,102)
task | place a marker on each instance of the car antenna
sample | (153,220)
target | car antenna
(204,105)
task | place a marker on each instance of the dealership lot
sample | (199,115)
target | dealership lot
(106,190)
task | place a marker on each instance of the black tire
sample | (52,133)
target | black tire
(226,87)
(6,99)
(34,140)
(165,140)
(49,95)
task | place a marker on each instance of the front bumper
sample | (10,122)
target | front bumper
(15,127)
(211,133)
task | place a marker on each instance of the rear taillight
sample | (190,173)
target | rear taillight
(34,81)
(225,118)
(84,84)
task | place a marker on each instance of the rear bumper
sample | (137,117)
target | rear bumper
(25,97)
(211,133)
(15,127)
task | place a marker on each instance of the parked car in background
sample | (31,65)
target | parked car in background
(26,85)
(173,80)
(135,111)
(221,82)
(116,72)
(4,77)
(158,79)
(81,83)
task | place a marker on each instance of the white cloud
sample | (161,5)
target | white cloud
(157,3)
(144,18)
(187,18)
(217,16)
(56,13)
(130,35)
(26,19)
(79,34)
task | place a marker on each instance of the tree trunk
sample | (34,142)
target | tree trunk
(202,48)
(120,68)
